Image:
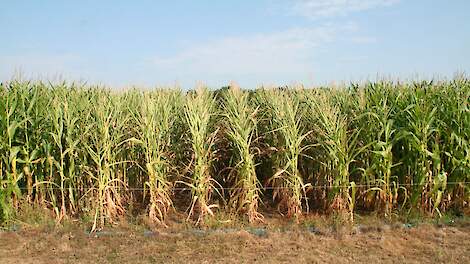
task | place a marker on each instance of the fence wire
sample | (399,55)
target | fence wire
(261,188)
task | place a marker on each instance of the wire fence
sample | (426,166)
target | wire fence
(262,188)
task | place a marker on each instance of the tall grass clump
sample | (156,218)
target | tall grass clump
(339,145)
(241,123)
(156,120)
(432,146)
(199,111)
(283,110)
(454,139)
(106,139)
(383,185)
(64,150)
(10,122)
(420,156)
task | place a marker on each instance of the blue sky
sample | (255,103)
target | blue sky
(270,42)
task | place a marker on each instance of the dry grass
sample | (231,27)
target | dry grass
(372,242)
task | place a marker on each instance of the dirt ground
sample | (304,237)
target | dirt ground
(425,243)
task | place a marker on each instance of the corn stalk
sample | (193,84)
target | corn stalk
(241,129)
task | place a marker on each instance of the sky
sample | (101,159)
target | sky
(263,42)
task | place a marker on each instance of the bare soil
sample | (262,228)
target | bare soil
(425,243)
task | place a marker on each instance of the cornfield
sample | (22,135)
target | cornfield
(385,146)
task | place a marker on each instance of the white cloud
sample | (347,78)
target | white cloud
(315,9)
(286,53)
